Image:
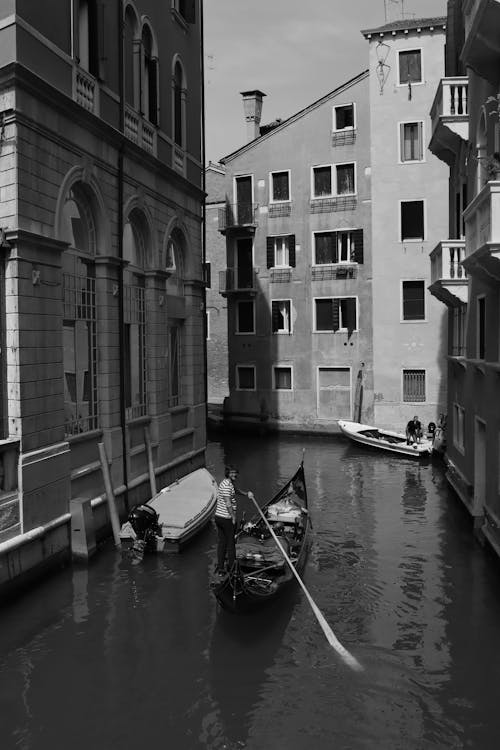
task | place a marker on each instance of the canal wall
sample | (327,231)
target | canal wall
(28,557)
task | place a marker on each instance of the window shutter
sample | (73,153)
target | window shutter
(350,314)
(275,315)
(291,250)
(270,252)
(357,255)
(336,314)
(190,12)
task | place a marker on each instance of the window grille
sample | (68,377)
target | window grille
(276,210)
(414,385)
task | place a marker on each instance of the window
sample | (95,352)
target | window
(333,179)
(131,55)
(343,117)
(245,377)
(344,246)
(410,66)
(458,335)
(174,364)
(413,294)
(186,9)
(414,385)
(134,308)
(281,315)
(282,378)
(280,186)
(79,321)
(3,363)
(345,179)
(335,314)
(411,141)
(149,78)
(245,317)
(481,327)
(207,325)
(412,220)
(88,38)
(179,101)
(281,251)
(322,186)
(458,427)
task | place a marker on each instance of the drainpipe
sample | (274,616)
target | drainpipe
(204,218)
(121,317)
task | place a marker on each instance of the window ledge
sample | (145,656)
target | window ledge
(479,365)
(83,436)
(137,421)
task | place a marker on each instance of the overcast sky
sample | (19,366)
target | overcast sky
(295,51)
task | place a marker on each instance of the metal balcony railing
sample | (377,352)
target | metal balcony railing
(237,280)
(237,215)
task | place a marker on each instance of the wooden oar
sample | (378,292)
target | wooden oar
(347,657)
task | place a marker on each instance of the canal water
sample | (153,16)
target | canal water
(123,656)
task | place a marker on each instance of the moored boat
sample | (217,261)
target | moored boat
(386,440)
(266,549)
(173,516)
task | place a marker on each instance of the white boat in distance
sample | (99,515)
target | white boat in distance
(386,440)
(174,515)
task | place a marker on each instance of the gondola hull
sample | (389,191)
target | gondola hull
(262,573)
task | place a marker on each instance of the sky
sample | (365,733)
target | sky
(295,56)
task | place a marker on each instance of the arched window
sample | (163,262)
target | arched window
(135,363)
(79,320)
(131,58)
(175,287)
(179,95)
(88,39)
(150,78)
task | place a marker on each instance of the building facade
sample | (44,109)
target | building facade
(101,205)
(409,213)
(466,271)
(297,281)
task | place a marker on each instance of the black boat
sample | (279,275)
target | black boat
(267,547)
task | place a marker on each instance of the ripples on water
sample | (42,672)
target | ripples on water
(127,656)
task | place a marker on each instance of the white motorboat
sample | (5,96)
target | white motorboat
(386,440)
(174,515)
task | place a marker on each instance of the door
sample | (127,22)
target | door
(244,263)
(244,202)
(334,393)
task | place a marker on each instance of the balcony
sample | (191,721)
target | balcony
(238,281)
(238,216)
(481,50)
(448,276)
(85,90)
(450,118)
(334,203)
(140,131)
(482,233)
(333,272)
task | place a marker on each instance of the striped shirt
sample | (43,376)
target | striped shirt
(225,492)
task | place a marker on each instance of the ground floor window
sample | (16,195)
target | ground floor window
(282,378)
(245,377)
(414,385)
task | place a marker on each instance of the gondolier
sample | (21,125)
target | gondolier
(225,519)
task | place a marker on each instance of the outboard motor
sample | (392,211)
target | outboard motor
(144,521)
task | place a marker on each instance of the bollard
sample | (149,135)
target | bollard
(83,543)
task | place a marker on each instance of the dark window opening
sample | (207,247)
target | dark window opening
(412,220)
(413,300)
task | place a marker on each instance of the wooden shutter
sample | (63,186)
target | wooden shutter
(270,252)
(291,250)
(357,255)
(350,314)
(275,315)
(336,314)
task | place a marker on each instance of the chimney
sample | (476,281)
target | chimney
(252,107)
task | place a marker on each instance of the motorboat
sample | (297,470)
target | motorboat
(385,440)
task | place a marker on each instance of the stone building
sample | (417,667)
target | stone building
(296,222)
(466,268)
(409,215)
(101,175)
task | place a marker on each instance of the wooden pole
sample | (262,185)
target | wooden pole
(113,513)
(348,658)
(151,468)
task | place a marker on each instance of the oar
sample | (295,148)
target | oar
(347,657)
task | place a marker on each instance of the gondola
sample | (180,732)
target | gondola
(261,571)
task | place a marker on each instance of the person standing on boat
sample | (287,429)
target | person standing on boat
(413,430)
(225,519)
